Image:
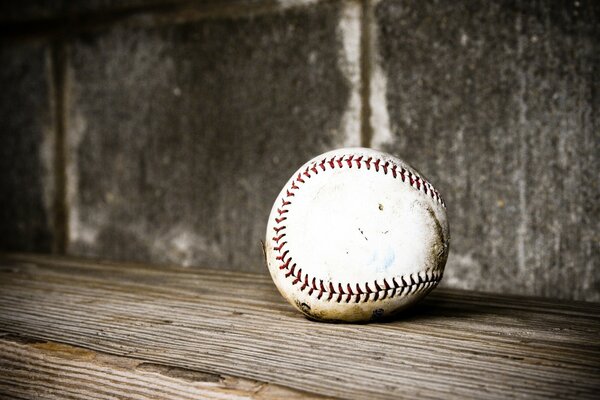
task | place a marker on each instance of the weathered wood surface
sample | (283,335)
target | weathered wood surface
(48,370)
(454,344)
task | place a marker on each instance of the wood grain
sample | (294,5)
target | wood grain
(56,371)
(455,344)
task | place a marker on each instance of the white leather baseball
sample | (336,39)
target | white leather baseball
(355,235)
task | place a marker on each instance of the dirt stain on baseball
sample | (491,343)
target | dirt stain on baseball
(439,250)
(363,234)
(305,307)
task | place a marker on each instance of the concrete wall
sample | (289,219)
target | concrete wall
(161,131)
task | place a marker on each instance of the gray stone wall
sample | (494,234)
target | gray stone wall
(161,131)
(27,145)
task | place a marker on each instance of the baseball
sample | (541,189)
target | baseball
(356,235)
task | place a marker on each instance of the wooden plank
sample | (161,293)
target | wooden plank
(52,370)
(455,344)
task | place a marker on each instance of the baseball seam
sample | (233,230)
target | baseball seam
(397,286)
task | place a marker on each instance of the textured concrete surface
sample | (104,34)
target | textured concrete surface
(82,12)
(181,136)
(26,149)
(498,104)
(12,11)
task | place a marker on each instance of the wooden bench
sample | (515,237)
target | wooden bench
(81,329)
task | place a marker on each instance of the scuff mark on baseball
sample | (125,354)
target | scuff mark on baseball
(356,235)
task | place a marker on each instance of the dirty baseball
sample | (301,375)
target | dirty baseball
(356,235)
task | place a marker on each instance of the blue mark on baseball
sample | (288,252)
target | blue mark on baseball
(382,257)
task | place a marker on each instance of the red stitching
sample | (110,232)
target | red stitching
(291,271)
(428,281)
(321,290)
(349,161)
(305,282)
(331,289)
(358,289)
(276,239)
(281,257)
(358,160)
(286,264)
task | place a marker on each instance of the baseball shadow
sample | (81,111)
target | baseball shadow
(442,306)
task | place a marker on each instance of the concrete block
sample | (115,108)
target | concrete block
(182,135)
(498,104)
